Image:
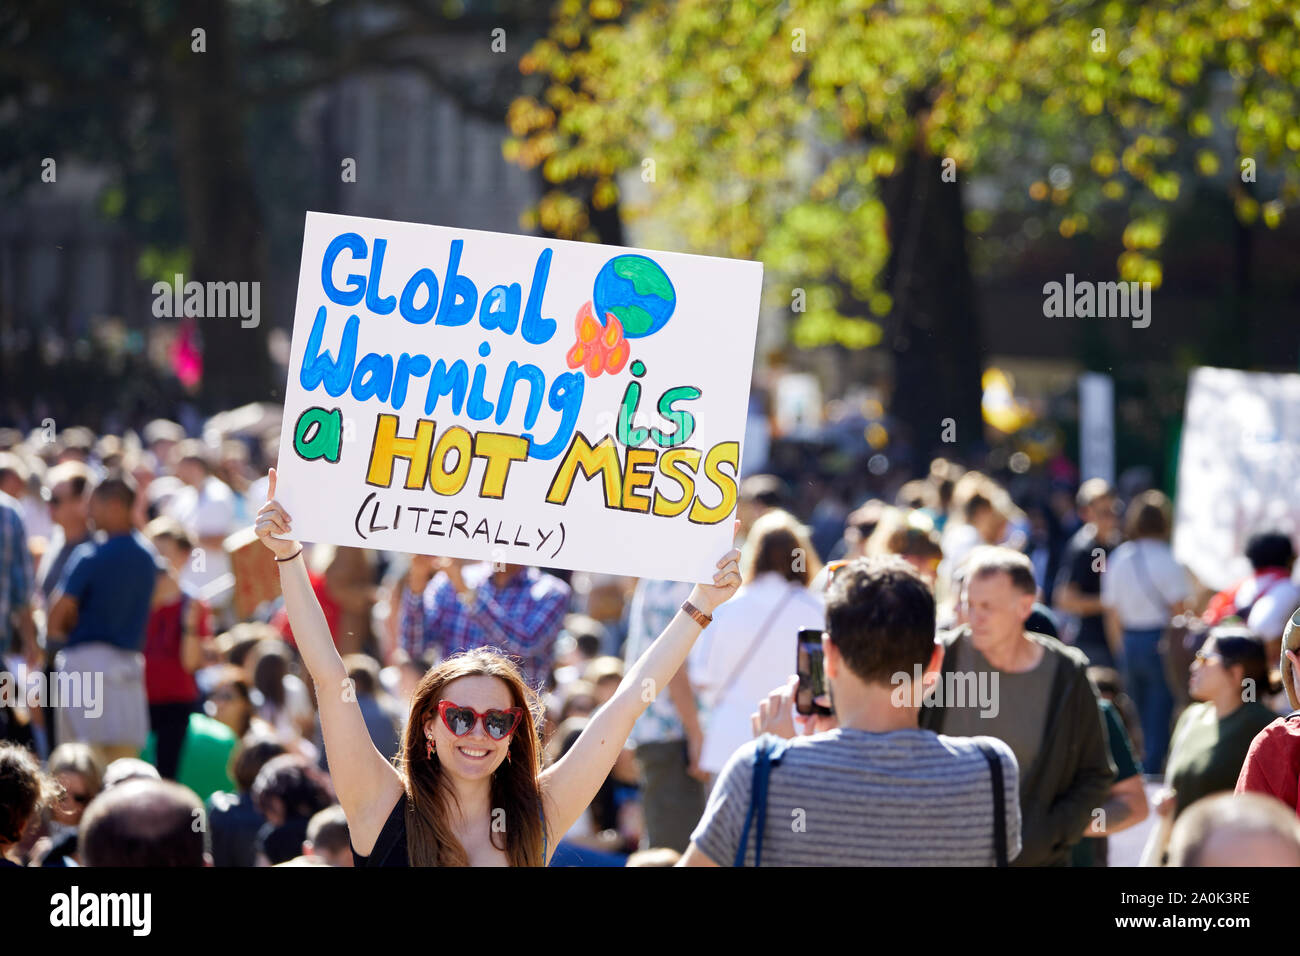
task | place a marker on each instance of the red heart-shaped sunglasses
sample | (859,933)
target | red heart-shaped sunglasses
(499,724)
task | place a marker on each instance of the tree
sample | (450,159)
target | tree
(832,140)
(186,105)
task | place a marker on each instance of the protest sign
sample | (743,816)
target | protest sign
(516,399)
(1237,469)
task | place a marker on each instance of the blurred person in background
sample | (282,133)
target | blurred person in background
(233,469)
(751,646)
(912,536)
(206,750)
(128,768)
(160,437)
(456,605)
(758,494)
(1040,544)
(231,701)
(1272,764)
(233,819)
(604,674)
(205,507)
(25,791)
(76,444)
(144,823)
(828,514)
(580,642)
(943,478)
(179,624)
(343,580)
(668,736)
(330,607)
(1142,589)
(1035,695)
(288,792)
(604,599)
(21,481)
(594,839)
(578,699)
(975,519)
(1235,830)
(328,838)
(110,451)
(1264,601)
(917,495)
(406,678)
(378,710)
(859,527)
(1126,805)
(285,701)
(101,610)
(1110,686)
(69,501)
(17,577)
(349,577)
(1077,590)
(1213,736)
(81,776)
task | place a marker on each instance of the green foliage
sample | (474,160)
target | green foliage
(772,125)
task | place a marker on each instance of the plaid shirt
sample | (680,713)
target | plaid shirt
(522,618)
(15,567)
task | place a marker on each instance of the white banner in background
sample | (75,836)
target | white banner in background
(515,399)
(1238,470)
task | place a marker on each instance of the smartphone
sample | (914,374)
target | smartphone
(813,696)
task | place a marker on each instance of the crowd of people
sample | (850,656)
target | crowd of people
(1005,666)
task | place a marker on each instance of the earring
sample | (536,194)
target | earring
(429,750)
(508,760)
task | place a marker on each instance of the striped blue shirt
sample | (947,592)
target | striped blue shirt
(852,798)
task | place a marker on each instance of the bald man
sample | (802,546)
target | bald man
(1243,829)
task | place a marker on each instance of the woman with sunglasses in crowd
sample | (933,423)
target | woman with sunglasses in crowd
(81,776)
(468,788)
(1228,678)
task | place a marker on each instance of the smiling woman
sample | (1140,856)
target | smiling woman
(468,787)
(473,719)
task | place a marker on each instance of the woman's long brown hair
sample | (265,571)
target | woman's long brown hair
(429,794)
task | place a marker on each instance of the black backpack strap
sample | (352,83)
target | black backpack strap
(767,753)
(999,802)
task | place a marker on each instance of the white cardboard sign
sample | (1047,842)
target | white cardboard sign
(516,399)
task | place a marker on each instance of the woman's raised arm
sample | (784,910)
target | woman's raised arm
(571,784)
(367,785)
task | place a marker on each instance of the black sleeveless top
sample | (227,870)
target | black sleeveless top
(390,848)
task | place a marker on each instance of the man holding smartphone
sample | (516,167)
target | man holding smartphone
(874,789)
